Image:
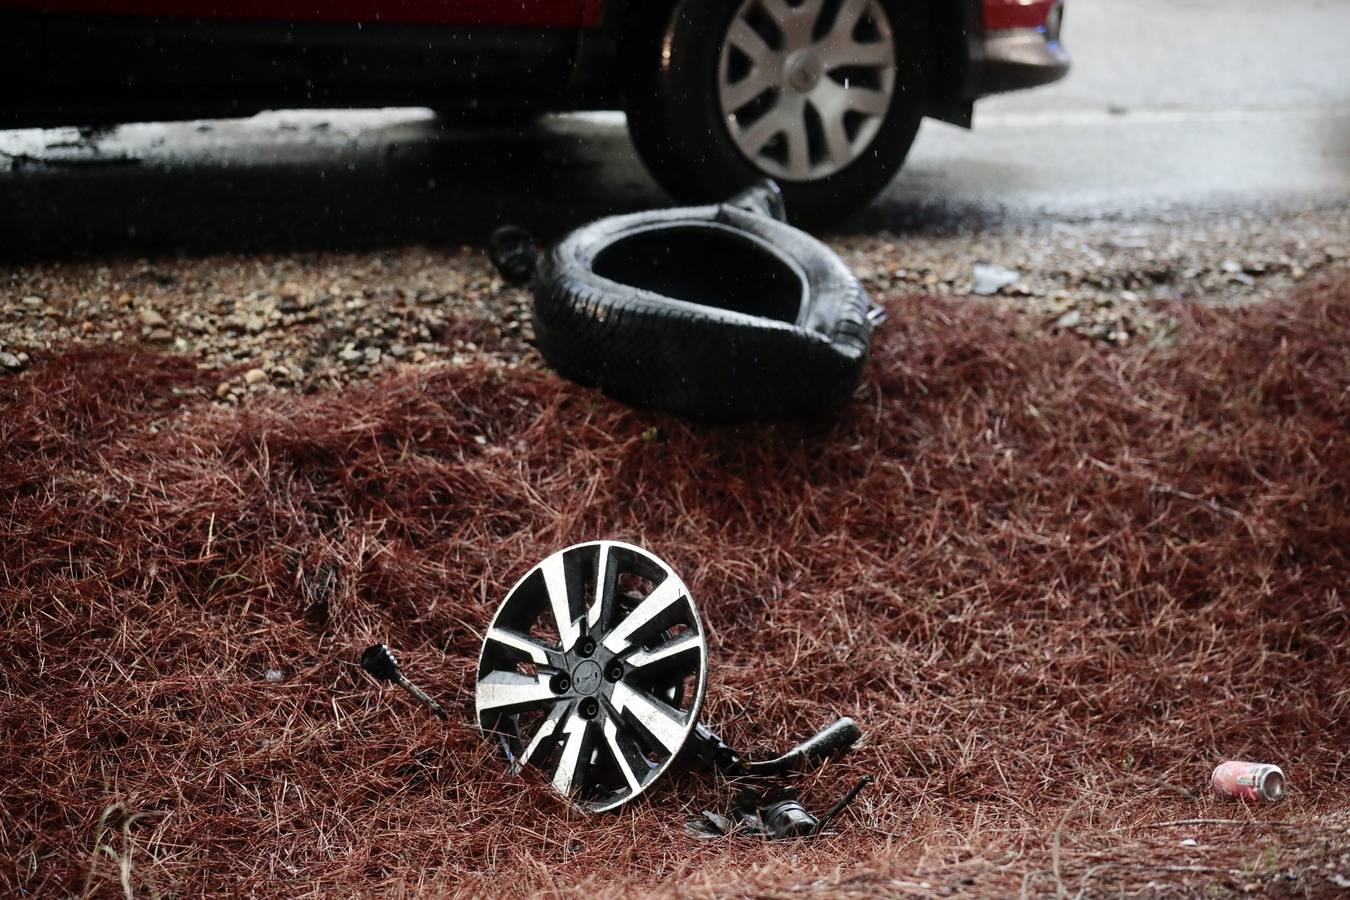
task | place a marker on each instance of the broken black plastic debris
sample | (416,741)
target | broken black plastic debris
(842,734)
(707,747)
(787,818)
(764,198)
(842,802)
(512,251)
(380,662)
(775,815)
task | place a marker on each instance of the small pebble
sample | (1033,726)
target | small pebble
(1069,320)
(255,376)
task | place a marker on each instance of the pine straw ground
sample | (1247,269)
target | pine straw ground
(1055,582)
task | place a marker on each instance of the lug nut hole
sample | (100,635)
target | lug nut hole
(560,683)
(589,707)
(587,647)
(615,671)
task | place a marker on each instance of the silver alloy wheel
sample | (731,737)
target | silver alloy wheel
(593,670)
(805,85)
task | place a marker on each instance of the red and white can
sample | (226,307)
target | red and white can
(1248,780)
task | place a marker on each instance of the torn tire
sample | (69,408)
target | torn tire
(722,312)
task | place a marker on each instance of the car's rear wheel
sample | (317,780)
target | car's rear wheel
(821,95)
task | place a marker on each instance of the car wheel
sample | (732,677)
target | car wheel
(821,95)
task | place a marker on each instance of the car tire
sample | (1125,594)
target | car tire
(678,125)
(715,313)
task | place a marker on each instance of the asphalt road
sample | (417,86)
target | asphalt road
(1173,106)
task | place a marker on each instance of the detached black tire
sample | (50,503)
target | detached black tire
(710,312)
(842,81)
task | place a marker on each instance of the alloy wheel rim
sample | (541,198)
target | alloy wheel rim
(805,85)
(593,671)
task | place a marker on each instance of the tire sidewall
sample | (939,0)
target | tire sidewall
(700,360)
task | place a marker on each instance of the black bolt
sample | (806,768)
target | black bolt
(615,671)
(380,662)
(587,647)
(589,707)
(560,683)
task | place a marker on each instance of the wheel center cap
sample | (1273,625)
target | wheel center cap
(586,677)
(804,71)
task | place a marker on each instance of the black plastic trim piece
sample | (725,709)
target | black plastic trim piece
(110,68)
(1019,58)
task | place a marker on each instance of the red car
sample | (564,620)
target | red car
(823,95)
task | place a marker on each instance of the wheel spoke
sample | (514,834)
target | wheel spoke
(532,649)
(555,583)
(662,597)
(870,54)
(764,129)
(572,761)
(620,758)
(547,729)
(748,41)
(867,101)
(748,88)
(846,20)
(664,723)
(837,145)
(603,590)
(505,691)
(810,11)
(795,23)
(780,11)
(798,145)
(685,644)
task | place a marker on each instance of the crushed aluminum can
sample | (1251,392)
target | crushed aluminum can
(1248,780)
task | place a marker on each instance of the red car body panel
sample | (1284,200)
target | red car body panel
(1000,15)
(489,13)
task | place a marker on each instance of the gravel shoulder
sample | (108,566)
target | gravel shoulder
(309,320)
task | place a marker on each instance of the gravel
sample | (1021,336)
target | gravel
(304,321)
(1109,281)
(295,322)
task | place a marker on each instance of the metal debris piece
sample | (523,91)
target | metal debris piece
(380,662)
(512,251)
(775,815)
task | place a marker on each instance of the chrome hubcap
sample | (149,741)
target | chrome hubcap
(593,670)
(805,85)
(803,71)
